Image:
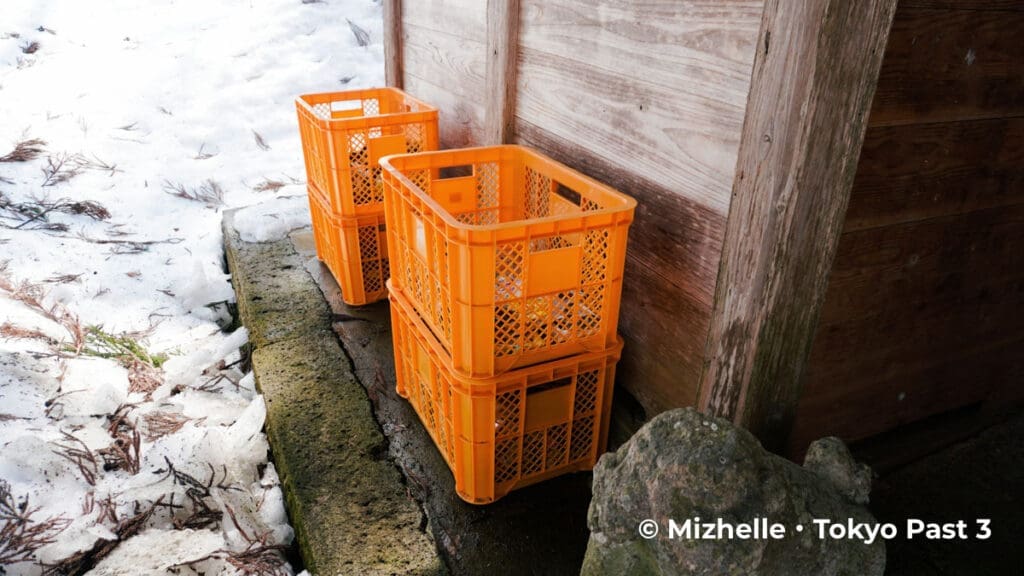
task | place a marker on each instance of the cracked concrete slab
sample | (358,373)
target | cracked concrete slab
(351,509)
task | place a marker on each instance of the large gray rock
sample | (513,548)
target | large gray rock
(683,465)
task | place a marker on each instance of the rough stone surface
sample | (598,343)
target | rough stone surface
(277,300)
(831,459)
(683,465)
(347,501)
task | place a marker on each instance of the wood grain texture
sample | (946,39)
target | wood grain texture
(445,64)
(963,379)
(924,313)
(449,61)
(914,172)
(664,334)
(502,48)
(943,65)
(654,87)
(813,82)
(465,18)
(460,120)
(670,270)
(393,43)
(921,316)
(647,96)
(908,264)
(989,5)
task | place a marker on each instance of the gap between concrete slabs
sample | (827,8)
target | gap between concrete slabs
(348,503)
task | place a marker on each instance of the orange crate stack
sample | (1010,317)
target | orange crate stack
(509,257)
(354,250)
(506,278)
(509,431)
(344,135)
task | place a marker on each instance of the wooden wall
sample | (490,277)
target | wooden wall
(648,96)
(443,63)
(924,312)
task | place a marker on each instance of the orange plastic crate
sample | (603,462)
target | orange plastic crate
(510,257)
(502,433)
(354,249)
(344,134)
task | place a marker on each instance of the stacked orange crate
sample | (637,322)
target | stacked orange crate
(506,280)
(344,135)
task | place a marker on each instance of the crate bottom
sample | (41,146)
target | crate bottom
(506,432)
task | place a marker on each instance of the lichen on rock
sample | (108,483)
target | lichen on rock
(683,465)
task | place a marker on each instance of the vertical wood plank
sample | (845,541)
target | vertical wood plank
(393,43)
(813,81)
(502,42)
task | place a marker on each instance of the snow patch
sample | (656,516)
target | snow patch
(271,221)
(156,551)
(189,114)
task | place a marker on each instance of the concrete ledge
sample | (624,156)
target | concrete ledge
(277,300)
(347,501)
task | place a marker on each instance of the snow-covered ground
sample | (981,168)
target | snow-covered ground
(130,433)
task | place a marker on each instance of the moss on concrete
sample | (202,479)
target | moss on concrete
(277,300)
(348,504)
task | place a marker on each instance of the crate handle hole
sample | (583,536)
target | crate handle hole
(455,172)
(346,105)
(549,386)
(568,193)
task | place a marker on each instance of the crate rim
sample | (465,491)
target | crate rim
(489,385)
(360,121)
(341,220)
(627,207)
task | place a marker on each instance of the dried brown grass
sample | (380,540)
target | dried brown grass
(25,150)
(76,452)
(159,424)
(32,296)
(9,331)
(82,562)
(209,192)
(269,185)
(125,452)
(21,535)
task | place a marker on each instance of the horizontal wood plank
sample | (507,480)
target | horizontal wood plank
(920,318)
(698,49)
(466,18)
(992,5)
(919,261)
(908,334)
(665,334)
(923,314)
(908,443)
(676,238)
(943,65)
(921,171)
(689,147)
(460,121)
(877,406)
(445,60)
(670,272)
